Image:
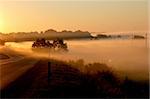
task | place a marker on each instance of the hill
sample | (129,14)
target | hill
(48,34)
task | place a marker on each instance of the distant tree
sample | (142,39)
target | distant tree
(2,42)
(50,30)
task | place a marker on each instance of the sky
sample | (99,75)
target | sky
(86,15)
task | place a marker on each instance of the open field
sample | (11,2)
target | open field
(66,80)
(74,49)
(26,76)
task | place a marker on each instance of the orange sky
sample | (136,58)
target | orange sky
(88,15)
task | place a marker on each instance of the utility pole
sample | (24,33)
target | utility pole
(49,74)
(147,39)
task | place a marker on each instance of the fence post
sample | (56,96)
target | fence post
(49,72)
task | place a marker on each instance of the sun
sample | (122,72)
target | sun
(1,23)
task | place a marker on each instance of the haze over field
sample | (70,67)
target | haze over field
(74,48)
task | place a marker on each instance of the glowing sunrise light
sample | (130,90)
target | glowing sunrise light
(1,23)
(88,15)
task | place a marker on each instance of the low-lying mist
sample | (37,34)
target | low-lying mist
(127,56)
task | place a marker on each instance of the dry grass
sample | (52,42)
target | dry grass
(74,79)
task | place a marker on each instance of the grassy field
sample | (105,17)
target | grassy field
(74,79)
